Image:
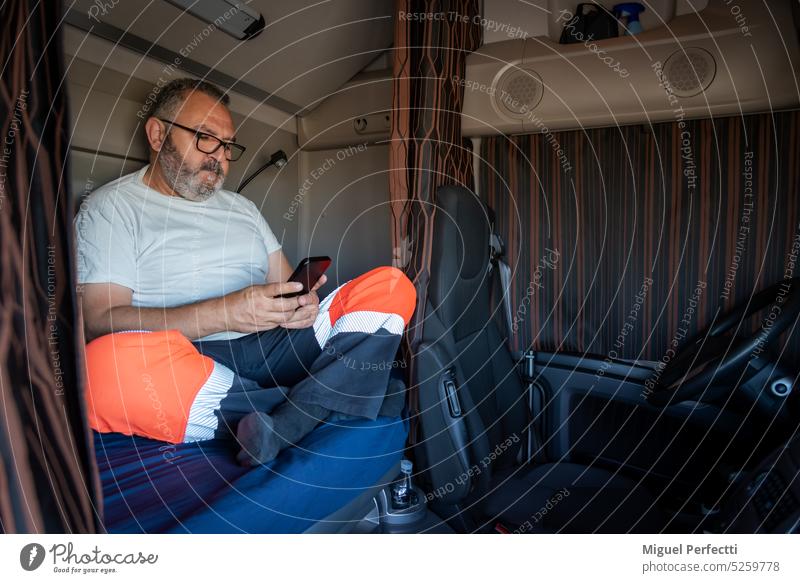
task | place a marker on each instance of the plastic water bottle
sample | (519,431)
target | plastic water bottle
(403,495)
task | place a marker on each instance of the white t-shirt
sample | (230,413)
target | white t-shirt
(171,251)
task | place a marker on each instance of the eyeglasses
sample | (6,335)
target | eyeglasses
(209,144)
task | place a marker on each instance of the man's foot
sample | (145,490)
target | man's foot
(256,435)
(263,436)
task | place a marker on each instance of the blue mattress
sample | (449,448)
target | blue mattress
(152,486)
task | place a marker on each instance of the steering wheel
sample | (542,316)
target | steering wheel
(715,354)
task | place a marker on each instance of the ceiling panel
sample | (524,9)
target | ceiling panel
(307,50)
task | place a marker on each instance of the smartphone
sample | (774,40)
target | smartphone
(308,273)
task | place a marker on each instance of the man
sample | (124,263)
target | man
(179,292)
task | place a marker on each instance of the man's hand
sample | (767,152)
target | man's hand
(257,308)
(305,315)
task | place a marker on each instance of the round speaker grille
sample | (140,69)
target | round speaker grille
(518,91)
(690,72)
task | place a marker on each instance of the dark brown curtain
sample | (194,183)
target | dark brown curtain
(709,209)
(431,42)
(48,478)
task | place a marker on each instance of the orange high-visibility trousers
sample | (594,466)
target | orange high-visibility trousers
(163,386)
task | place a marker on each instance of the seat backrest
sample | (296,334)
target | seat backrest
(472,402)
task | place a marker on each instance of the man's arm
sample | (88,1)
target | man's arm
(279,268)
(107,308)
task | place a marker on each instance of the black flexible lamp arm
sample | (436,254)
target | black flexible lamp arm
(279,159)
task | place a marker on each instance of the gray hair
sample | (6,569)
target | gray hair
(174,93)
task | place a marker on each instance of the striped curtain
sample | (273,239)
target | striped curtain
(48,477)
(431,42)
(623,240)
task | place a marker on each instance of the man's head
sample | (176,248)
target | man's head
(200,107)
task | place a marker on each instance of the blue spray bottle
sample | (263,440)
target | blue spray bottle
(629,11)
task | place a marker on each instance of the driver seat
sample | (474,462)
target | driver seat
(473,408)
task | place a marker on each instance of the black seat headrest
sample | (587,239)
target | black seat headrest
(460,257)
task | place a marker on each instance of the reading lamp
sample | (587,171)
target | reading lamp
(278,159)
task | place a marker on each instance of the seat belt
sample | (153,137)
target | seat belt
(500,272)
(498,267)
(535,393)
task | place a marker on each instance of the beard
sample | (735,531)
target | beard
(187,180)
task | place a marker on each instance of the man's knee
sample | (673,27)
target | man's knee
(404,295)
(383,289)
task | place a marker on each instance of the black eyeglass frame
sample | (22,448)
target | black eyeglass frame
(231,148)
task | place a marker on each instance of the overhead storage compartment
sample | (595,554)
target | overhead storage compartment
(727,59)
(358,113)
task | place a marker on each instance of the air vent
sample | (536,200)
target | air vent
(690,71)
(518,90)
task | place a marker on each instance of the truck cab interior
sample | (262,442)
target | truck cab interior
(600,213)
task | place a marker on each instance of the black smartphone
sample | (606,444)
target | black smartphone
(308,273)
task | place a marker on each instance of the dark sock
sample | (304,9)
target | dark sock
(263,436)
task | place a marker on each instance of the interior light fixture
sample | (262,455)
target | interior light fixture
(278,159)
(231,16)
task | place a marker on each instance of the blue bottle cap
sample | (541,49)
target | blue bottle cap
(406,466)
